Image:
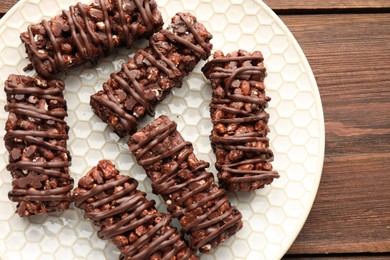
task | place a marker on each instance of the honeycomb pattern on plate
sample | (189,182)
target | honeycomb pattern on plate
(273,216)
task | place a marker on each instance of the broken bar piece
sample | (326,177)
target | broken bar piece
(150,75)
(88,32)
(36,139)
(239,136)
(126,217)
(190,192)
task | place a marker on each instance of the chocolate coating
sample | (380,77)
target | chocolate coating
(150,75)
(126,217)
(36,141)
(88,32)
(240,121)
(188,189)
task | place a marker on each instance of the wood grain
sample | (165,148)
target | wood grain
(330,4)
(5,5)
(350,62)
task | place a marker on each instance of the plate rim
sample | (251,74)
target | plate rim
(321,119)
(320,110)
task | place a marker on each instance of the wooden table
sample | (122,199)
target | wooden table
(347,44)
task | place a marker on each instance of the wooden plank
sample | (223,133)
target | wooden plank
(349,55)
(330,4)
(5,5)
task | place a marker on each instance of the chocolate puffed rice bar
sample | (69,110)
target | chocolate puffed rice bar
(190,192)
(36,139)
(125,217)
(240,122)
(88,32)
(150,75)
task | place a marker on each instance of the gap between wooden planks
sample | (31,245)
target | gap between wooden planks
(330,4)
(5,5)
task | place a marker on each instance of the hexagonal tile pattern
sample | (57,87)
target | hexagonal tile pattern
(49,244)
(272,216)
(240,248)
(29,252)
(218,22)
(220,6)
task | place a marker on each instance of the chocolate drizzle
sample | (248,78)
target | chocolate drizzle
(118,202)
(241,106)
(146,13)
(38,154)
(185,185)
(148,77)
(166,183)
(91,31)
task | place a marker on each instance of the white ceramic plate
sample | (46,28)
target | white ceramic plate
(273,216)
